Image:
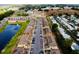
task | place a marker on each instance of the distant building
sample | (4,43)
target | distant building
(56,8)
(14,19)
(66,7)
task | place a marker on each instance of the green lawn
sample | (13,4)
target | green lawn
(3,27)
(49,21)
(14,40)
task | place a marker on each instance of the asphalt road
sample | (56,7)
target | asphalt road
(37,40)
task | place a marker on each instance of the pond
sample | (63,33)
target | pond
(7,34)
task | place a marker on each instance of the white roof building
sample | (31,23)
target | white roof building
(69,26)
(66,7)
(56,8)
(74,46)
(63,33)
(77,33)
(77,20)
(65,23)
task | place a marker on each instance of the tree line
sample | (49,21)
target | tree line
(6,14)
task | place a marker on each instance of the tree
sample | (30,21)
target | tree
(46,10)
(67,43)
(22,14)
(54,27)
(60,14)
(40,9)
(6,14)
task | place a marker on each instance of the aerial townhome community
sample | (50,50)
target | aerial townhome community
(39,29)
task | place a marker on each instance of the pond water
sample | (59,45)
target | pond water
(7,34)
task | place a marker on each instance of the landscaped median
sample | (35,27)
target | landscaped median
(49,21)
(9,47)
